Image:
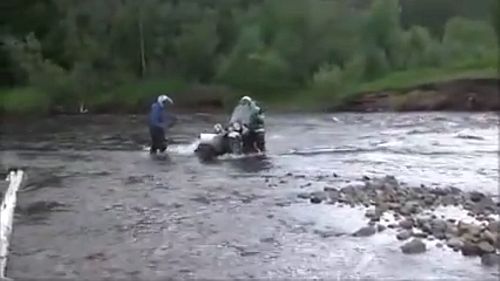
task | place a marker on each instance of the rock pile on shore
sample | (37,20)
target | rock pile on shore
(413,207)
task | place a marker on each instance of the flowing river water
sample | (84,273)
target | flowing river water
(95,205)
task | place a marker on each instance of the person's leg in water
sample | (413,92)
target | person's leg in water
(162,142)
(158,142)
(154,147)
(260,141)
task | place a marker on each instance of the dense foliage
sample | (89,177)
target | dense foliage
(117,54)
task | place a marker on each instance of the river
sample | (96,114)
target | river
(95,205)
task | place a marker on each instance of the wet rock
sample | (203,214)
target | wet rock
(494,226)
(486,247)
(470,238)
(370,213)
(429,200)
(304,195)
(267,240)
(201,199)
(410,207)
(404,235)
(406,224)
(40,207)
(332,193)
(422,219)
(427,228)
(452,230)
(381,227)
(489,237)
(439,245)
(392,226)
(439,191)
(470,249)
(394,206)
(475,196)
(490,260)
(440,235)
(448,200)
(415,246)
(454,243)
(438,227)
(365,231)
(420,234)
(327,233)
(318,197)
(133,180)
(468,228)
(246,253)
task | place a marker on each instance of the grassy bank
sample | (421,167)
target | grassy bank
(402,80)
(136,96)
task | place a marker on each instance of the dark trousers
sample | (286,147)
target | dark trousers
(254,140)
(158,141)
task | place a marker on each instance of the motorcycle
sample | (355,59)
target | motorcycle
(236,139)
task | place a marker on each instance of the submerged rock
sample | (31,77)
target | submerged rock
(486,248)
(404,235)
(406,224)
(304,195)
(494,226)
(490,237)
(318,197)
(365,231)
(370,213)
(490,260)
(476,196)
(438,226)
(470,249)
(415,246)
(381,228)
(327,233)
(468,228)
(420,234)
(454,243)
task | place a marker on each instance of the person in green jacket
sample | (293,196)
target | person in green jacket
(248,113)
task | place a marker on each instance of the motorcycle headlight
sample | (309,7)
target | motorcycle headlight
(237,126)
(218,128)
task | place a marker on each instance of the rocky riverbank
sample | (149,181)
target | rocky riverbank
(455,95)
(412,212)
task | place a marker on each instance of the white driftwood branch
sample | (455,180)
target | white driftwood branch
(6,217)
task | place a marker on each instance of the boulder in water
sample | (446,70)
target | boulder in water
(365,231)
(404,235)
(406,224)
(486,247)
(454,243)
(470,249)
(476,196)
(318,197)
(490,260)
(304,195)
(381,227)
(415,246)
(489,237)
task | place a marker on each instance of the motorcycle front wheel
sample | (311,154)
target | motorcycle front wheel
(235,146)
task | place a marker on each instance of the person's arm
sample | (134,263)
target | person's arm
(171,119)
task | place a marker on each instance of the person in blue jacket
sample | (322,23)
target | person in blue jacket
(157,124)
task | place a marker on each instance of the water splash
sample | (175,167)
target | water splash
(183,149)
(180,149)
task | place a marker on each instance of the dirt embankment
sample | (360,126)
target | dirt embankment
(456,95)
